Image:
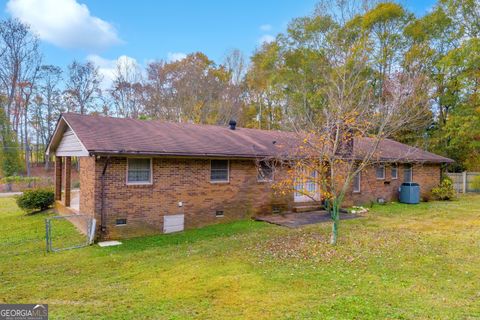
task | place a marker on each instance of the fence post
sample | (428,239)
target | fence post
(464,181)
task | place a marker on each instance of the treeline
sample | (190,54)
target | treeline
(280,87)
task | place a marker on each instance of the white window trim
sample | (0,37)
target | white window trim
(396,170)
(359,183)
(410,166)
(228,172)
(140,183)
(265,180)
(376,167)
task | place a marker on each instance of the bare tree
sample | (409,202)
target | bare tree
(83,86)
(127,89)
(19,61)
(48,104)
(235,64)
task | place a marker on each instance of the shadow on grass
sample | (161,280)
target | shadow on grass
(191,236)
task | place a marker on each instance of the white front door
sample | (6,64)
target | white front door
(306,187)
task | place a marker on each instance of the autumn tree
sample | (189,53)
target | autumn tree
(447,45)
(341,133)
(193,89)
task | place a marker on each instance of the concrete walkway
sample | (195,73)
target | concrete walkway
(294,220)
(9,194)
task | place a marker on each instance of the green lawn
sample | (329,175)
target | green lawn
(399,262)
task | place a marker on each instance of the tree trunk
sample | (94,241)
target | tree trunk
(335,214)
(27,148)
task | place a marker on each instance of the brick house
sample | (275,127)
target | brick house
(146,177)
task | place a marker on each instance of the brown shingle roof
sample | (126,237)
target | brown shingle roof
(390,150)
(129,136)
(106,135)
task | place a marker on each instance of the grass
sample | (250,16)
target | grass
(398,262)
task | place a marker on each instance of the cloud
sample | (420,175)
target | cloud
(107,68)
(266,27)
(266,38)
(65,23)
(175,56)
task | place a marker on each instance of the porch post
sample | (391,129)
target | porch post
(68,180)
(58,178)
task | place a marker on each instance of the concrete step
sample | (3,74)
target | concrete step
(307,208)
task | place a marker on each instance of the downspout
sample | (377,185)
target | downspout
(103,227)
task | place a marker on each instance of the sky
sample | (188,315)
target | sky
(103,31)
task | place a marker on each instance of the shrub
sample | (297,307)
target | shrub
(36,199)
(444,191)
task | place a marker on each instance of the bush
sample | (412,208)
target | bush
(36,199)
(444,191)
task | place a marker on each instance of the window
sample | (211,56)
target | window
(380,172)
(394,171)
(265,171)
(356,182)
(408,173)
(219,171)
(219,213)
(139,171)
(121,222)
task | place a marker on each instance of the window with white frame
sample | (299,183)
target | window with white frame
(265,171)
(139,171)
(408,173)
(394,171)
(357,182)
(380,171)
(219,171)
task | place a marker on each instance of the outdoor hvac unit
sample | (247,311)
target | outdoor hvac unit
(410,193)
(173,223)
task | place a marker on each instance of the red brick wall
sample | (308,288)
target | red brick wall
(427,175)
(87,185)
(174,180)
(188,181)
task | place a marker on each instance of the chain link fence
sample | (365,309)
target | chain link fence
(69,232)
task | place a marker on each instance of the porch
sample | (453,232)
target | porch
(65,196)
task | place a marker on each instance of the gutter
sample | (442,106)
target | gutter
(103,227)
(178,154)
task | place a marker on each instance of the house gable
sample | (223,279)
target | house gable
(65,142)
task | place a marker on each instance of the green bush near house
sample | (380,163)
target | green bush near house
(36,199)
(444,191)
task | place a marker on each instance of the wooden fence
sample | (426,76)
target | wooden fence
(464,182)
